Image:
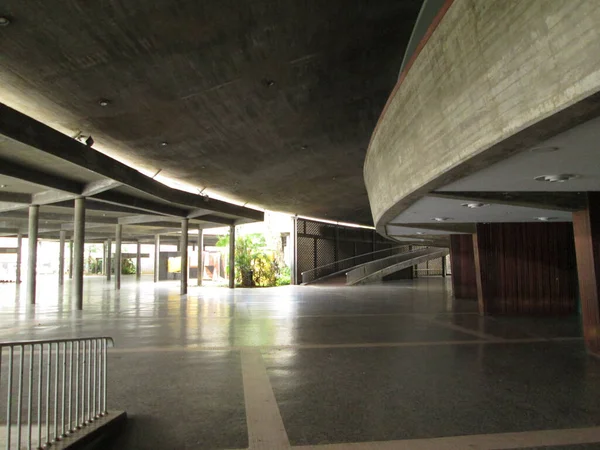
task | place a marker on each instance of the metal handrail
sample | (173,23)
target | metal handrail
(352,257)
(75,391)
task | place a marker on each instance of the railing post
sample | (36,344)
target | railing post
(30,397)
(70,426)
(104,394)
(48,376)
(20,395)
(64,394)
(56,364)
(39,389)
(9,397)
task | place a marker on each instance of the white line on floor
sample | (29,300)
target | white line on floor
(571,436)
(265,426)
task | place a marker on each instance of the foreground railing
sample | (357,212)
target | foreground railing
(54,388)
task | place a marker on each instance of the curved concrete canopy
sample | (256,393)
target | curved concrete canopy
(493,79)
(266,102)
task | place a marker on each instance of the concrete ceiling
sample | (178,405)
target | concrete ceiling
(270,102)
(509,189)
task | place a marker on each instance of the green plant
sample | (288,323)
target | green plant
(127,267)
(255,264)
(285,276)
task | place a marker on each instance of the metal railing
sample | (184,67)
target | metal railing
(53,388)
(346,263)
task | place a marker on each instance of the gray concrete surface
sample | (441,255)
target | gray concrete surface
(282,367)
(494,78)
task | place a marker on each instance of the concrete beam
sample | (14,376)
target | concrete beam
(28,131)
(15,170)
(150,206)
(57,217)
(88,190)
(15,197)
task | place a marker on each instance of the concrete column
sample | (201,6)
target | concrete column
(232,256)
(108,259)
(34,211)
(138,262)
(200,255)
(19,252)
(586,228)
(71,259)
(294,236)
(61,258)
(78,251)
(118,236)
(104,258)
(444,266)
(156,256)
(184,255)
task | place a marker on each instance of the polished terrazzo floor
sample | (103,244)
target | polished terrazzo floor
(395,365)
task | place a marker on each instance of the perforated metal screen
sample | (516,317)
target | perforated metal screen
(338,246)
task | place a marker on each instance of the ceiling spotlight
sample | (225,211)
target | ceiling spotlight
(545,219)
(474,205)
(164,143)
(441,219)
(304,147)
(2,186)
(4,21)
(543,149)
(269,83)
(560,178)
(103,102)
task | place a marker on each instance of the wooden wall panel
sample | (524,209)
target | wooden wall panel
(526,268)
(462,266)
(586,227)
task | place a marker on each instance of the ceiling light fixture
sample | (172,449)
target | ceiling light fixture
(441,219)
(164,143)
(420,232)
(2,186)
(103,102)
(4,21)
(545,219)
(474,205)
(560,178)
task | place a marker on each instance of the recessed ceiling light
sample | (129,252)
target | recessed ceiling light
(4,21)
(164,143)
(441,219)
(560,178)
(545,219)
(103,102)
(543,149)
(2,186)
(420,232)
(474,205)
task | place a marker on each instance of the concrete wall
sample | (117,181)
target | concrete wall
(491,69)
